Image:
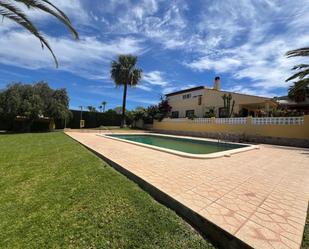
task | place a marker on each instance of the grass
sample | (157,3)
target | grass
(305,244)
(56,194)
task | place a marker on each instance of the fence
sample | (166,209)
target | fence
(278,121)
(230,120)
(254,121)
(279,127)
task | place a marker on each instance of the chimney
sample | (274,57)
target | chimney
(217,84)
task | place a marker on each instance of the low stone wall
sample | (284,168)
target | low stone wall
(241,138)
(288,131)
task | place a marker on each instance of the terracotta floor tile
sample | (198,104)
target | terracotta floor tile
(279,224)
(210,191)
(294,210)
(225,218)
(238,205)
(193,201)
(261,237)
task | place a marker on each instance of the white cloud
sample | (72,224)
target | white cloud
(155,78)
(252,91)
(144,87)
(246,47)
(88,57)
(219,65)
(160,21)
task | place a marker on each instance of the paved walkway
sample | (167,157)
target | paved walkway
(259,196)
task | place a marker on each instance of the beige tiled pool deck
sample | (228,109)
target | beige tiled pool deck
(258,196)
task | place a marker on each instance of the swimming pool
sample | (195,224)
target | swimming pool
(183,146)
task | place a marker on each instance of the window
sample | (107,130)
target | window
(186,96)
(223,112)
(189,113)
(175,114)
(199,100)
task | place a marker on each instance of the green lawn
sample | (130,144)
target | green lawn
(56,194)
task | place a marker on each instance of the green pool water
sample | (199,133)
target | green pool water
(192,146)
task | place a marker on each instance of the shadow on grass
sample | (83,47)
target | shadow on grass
(24,132)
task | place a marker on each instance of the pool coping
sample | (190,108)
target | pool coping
(226,153)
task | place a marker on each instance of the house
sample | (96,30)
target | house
(286,103)
(199,100)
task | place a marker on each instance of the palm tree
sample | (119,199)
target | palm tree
(91,108)
(299,91)
(124,72)
(104,103)
(10,10)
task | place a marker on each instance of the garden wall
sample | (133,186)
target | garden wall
(282,130)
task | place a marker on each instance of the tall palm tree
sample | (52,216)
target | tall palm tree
(299,91)
(9,9)
(124,72)
(104,103)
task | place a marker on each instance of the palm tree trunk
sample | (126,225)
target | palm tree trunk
(124,100)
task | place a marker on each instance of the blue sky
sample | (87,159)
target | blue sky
(179,44)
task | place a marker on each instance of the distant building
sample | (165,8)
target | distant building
(199,100)
(286,103)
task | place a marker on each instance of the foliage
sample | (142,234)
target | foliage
(299,91)
(160,111)
(228,108)
(139,114)
(210,113)
(282,112)
(91,108)
(33,102)
(118,109)
(104,103)
(124,72)
(163,109)
(56,194)
(152,111)
(10,10)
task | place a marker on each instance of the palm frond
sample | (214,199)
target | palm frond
(298,52)
(300,66)
(136,76)
(15,14)
(299,75)
(299,91)
(51,9)
(302,84)
(12,12)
